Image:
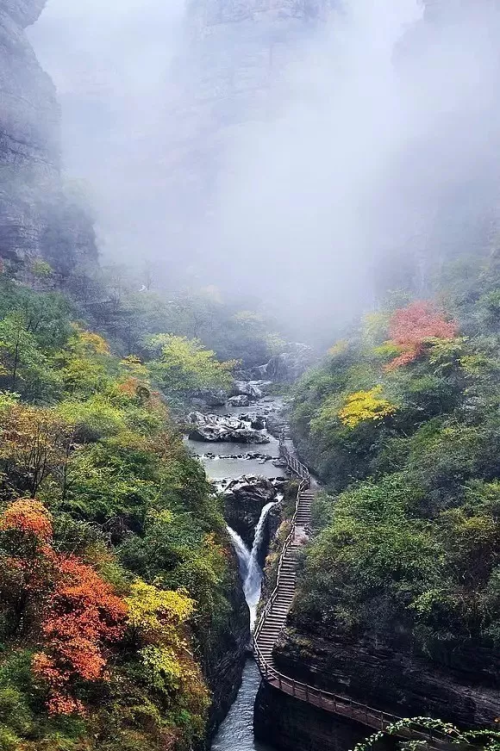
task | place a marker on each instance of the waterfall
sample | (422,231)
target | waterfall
(250,570)
(242,552)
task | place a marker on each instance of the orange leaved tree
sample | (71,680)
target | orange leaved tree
(28,565)
(59,602)
(411,327)
(82,617)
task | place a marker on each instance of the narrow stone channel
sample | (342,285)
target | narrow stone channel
(236,732)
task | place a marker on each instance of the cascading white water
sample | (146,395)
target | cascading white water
(253,582)
(248,562)
(242,553)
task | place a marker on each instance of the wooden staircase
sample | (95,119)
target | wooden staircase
(270,627)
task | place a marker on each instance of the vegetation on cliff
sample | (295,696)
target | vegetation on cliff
(403,422)
(126,307)
(114,560)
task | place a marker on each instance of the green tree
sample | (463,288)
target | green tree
(185,366)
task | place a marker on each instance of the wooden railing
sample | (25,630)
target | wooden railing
(274,594)
(303,473)
(335,703)
(293,463)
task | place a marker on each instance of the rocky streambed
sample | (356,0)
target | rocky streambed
(232,442)
(215,428)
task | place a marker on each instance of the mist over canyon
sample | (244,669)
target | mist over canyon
(236,510)
(297,147)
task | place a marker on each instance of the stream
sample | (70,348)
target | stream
(236,732)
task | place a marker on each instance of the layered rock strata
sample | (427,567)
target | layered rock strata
(37,219)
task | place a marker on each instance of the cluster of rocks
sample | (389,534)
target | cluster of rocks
(223,428)
(242,394)
(250,456)
(270,415)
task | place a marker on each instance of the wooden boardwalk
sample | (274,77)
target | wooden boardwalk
(274,616)
(279,604)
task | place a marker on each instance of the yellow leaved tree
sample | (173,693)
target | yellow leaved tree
(365,406)
(159,622)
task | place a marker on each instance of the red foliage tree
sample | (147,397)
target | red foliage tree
(61,600)
(28,563)
(411,327)
(82,617)
(28,517)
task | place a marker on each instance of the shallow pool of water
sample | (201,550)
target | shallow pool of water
(219,468)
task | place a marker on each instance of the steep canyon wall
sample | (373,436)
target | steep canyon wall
(38,220)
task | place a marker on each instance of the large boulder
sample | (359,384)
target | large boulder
(212,397)
(258,422)
(248,435)
(242,400)
(208,434)
(244,500)
(213,428)
(252,389)
(287,367)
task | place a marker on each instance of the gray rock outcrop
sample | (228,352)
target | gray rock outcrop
(216,428)
(287,367)
(37,220)
(244,500)
(242,400)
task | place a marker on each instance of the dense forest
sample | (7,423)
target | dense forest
(402,421)
(116,565)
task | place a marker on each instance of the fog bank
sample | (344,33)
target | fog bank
(312,157)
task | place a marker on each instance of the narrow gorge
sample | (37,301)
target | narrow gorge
(246,501)
(249,375)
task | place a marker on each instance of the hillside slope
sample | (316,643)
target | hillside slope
(399,599)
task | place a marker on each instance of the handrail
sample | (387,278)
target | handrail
(321,693)
(293,463)
(286,545)
(303,472)
(369,716)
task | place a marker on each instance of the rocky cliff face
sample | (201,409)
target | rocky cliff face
(460,686)
(244,500)
(36,219)
(289,724)
(236,58)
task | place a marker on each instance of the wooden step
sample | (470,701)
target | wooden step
(277,616)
